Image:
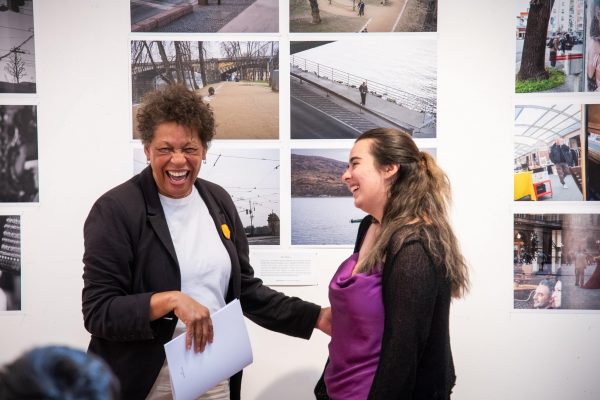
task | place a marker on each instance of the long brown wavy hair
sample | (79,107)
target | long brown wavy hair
(420,191)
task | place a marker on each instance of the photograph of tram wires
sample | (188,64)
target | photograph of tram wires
(340,89)
(239,80)
(17,50)
(251,177)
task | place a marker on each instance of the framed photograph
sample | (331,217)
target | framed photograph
(251,177)
(323,211)
(363,16)
(340,89)
(557,261)
(239,80)
(229,16)
(10,262)
(18,154)
(549,156)
(550,36)
(592,151)
(17,50)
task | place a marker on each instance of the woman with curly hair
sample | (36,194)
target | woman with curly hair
(165,250)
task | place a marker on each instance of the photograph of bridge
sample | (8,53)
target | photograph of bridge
(363,16)
(251,177)
(200,16)
(240,81)
(17,51)
(340,89)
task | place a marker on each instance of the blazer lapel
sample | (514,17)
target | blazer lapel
(155,213)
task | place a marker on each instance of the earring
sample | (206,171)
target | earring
(148,161)
(204,161)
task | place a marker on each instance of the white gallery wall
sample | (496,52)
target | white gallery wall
(84,117)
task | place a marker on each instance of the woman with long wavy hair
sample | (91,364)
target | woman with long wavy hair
(391,299)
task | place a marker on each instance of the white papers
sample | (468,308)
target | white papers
(192,374)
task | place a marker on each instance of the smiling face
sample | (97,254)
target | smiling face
(175,154)
(368,182)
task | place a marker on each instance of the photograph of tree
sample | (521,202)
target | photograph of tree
(18,154)
(251,177)
(550,36)
(548,153)
(205,16)
(239,80)
(557,261)
(17,52)
(10,262)
(336,95)
(363,16)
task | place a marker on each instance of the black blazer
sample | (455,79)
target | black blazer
(129,255)
(415,361)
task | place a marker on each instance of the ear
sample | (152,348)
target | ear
(204,151)
(147,152)
(390,170)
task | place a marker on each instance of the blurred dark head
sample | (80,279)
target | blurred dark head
(60,373)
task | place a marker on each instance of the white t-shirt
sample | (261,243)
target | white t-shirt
(204,263)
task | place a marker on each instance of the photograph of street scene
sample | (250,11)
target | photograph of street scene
(10,262)
(199,16)
(592,152)
(548,153)
(557,261)
(17,52)
(363,16)
(551,36)
(340,89)
(251,177)
(18,154)
(239,80)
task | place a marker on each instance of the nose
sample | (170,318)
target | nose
(178,158)
(345,175)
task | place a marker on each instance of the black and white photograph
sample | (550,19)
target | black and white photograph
(548,153)
(200,16)
(10,262)
(557,261)
(342,88)
(18,154)
(239,80)
(251,177)
(17,50)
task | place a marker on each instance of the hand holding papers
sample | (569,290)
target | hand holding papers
(192,374)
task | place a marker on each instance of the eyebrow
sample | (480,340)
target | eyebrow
(354,158)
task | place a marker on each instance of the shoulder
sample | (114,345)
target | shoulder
(215,190)
(127,193)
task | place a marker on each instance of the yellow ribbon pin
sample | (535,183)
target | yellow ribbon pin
(226,231)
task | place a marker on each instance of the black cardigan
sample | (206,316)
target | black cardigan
(129,255)
(415,362)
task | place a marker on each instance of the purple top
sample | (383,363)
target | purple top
(356,332)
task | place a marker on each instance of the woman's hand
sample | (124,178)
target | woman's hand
(195,316)
(324,320)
